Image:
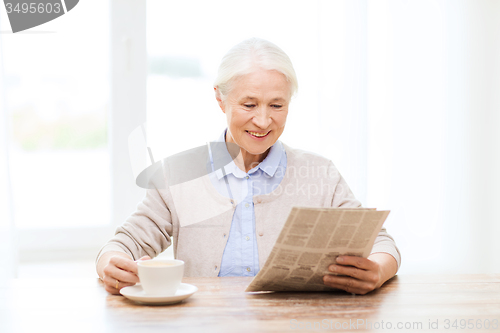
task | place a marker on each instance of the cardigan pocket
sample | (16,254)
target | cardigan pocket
(201,245)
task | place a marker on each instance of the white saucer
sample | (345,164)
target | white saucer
(136,294)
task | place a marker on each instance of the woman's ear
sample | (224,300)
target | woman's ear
(218,97)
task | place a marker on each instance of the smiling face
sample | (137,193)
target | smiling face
(256,108)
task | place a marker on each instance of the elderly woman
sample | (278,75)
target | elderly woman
(226,222)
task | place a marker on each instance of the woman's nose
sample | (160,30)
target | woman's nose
(262,119)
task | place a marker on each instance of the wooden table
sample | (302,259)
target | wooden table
(414,303)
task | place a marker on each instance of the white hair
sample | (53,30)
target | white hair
(246,57)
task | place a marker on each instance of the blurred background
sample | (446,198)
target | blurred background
(402,95)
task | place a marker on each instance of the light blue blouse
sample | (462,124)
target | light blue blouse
(240,256)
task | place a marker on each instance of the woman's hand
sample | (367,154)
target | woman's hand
(120,272)
(362,275)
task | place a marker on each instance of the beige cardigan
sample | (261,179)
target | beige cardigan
(199,218)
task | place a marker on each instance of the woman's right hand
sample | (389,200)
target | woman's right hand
(119,272)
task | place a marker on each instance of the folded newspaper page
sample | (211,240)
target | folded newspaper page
(311,240)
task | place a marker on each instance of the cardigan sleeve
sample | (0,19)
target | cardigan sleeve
(147,231)
(384,243)
(343,197)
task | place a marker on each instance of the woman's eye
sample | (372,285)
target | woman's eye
(276,106)
(249,105)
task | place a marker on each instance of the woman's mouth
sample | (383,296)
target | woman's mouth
(257,134)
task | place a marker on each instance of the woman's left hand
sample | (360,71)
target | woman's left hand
(361,275)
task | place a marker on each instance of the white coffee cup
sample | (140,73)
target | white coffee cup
(160,276)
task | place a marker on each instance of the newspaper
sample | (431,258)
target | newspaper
(311,240)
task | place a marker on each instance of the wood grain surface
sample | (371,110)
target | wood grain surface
(427,303)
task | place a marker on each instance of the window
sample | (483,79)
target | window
(58,103)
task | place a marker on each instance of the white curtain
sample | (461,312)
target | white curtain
(434,139)
(8,240)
